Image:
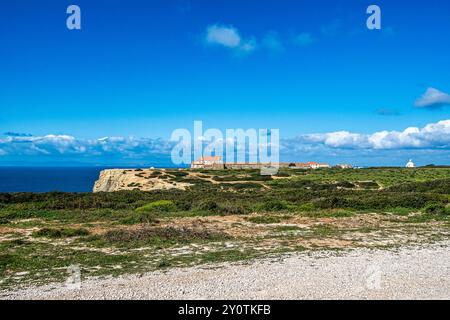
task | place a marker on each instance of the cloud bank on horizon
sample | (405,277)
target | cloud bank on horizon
(53,146)
(434,138)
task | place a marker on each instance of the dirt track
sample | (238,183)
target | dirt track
(409,273)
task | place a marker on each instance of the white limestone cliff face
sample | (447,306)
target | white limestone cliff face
(131,179)
(110,180)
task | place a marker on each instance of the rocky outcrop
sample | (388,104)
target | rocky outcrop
(136,179)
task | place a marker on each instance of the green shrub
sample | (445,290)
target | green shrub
(437,209)
(243,186)
(60,232)
(400,211)
(233,209)
(273,205)
(158,206)
(329,202)
(155,174)
(345,184)
(368,185)
(208,205)
(441,186)
(179,174)
(156,235)
(5,261)
(306,207)
(183,204)
(282,174)
(140,217)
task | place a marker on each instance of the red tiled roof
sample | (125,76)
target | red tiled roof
(213,158)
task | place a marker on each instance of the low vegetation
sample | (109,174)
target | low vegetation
(158,206)
(60,232)
(226,215)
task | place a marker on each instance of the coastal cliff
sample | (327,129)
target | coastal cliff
(136,179)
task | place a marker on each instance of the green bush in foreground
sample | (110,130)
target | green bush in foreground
(208,205)
(140,217)
(61,232)
(437,209)
(158,206)
(156,235)
(273,205)
(306,207)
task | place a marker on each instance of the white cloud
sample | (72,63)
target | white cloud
(225,36)
(69,145)
(432,136)
(343,139)
(433,99)
(228,37)
(433,139)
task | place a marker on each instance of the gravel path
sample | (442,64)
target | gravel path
(408,273)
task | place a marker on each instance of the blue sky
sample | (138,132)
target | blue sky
(140,69)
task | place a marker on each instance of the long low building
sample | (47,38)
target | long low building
(213,162)
(216,162)
(254,165)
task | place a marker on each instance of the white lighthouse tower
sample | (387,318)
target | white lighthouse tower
(410,164)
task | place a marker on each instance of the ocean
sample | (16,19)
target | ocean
(43,179)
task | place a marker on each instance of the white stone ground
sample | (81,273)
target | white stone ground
(407,273)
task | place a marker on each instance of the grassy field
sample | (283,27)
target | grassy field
(385,177)
(224,216)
